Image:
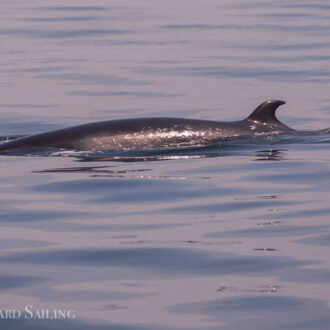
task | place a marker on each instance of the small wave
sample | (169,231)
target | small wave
(156,154)
(9,138)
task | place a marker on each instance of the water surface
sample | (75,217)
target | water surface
(227,236)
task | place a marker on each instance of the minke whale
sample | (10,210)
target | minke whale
(142,133)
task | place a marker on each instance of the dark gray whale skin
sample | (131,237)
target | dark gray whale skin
(144,133)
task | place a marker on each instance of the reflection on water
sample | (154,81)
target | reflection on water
(225,236)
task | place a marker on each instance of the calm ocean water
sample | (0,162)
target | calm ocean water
(231,236)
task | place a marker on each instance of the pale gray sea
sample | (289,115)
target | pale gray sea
(228,236)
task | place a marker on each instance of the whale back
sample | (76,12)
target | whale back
(265,114)
(139,133)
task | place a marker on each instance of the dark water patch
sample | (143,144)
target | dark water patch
(281,4)
(6,244)
(313,311)
(120,113)
(43,69)
(82,325)
(44,324)
(323,239)
(81,221)
(121,93)
(175,261)
(310,177)
(27,216)
(143,112)
(13,124)
(252,5)
(256,27)
(62,34)
(312,29)
(316,6)
(307,275)
(65,19)
(120,227)
(243,304)
(9,282)
(282,46)
(294,58)
(285,16)
(95,79)
(74,8)
(27,105)
(194,27)
(319,80)
(322,323)
(271,231)
(121,42)
(128,190)
(259,197)
(90,295)
(302,213)
(249,167)
(221,207)
(263,74)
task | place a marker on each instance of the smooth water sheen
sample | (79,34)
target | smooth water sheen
(233,235)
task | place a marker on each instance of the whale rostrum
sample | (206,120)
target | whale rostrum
(141,133)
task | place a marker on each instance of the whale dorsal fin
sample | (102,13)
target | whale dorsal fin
(265,112)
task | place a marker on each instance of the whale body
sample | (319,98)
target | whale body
(141,133)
